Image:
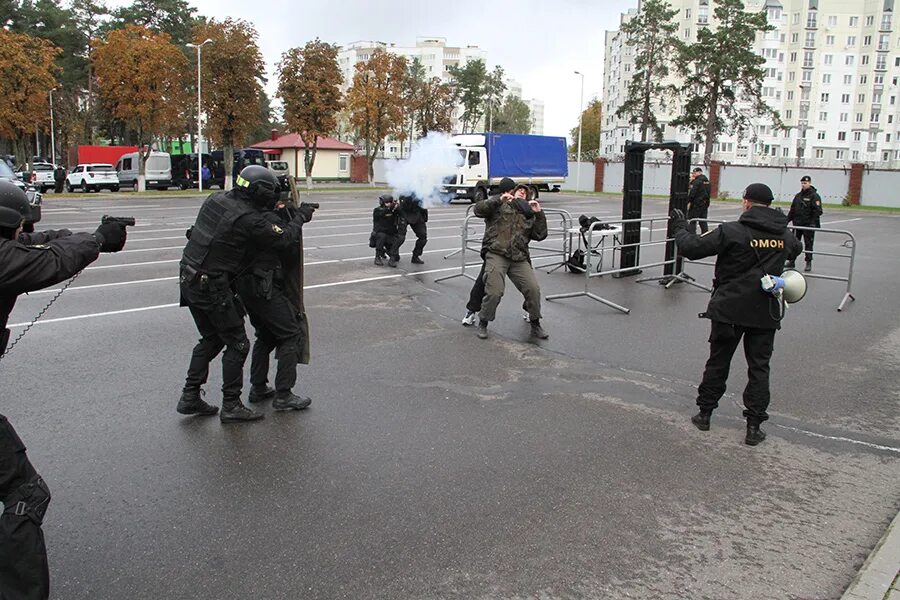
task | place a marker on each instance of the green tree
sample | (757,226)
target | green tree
(591,125)
(173,17)
(268,121)
(494,89)
(89,17)
(233,76)
(651,33)
(309,81)
(469,82)
(513,116)
(429,102)
(723,76)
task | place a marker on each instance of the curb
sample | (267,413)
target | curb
(878,578)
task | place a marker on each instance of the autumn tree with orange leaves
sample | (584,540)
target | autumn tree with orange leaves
(27,74)
(309,81)
(376,101)
(233,75)
(141,77)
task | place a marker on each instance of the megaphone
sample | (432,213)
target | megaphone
(794,286)
(791,286)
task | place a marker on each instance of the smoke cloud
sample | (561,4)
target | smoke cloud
(432,158)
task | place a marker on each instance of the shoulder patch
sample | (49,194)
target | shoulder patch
(277,229)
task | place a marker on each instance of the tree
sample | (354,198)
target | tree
(434,107)
(375,101)
(494,88)
(591,124)
(469,82)
(268,121)
(724,76)
(309,81)
(234,75)
(89,17)
(651,33)
(28,72)
(174,17)
(141,77)
(514,116)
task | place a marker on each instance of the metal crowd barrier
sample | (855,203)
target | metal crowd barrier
(470,237)
(850,243)
(590,253)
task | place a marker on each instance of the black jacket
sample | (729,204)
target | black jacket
(758,243)
(412,212)
(698,194)
(29,268)
(806,209)
(385,220)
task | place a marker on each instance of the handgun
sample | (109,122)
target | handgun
(127,221)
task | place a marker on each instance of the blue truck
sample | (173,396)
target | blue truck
(538,161)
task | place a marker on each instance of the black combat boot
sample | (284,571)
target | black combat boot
(482,329)
(701,420)
(537,331)
(417,260)
(192,404)
(755,435)
(233,411)
(790,264)
(379,261)
(392,262)
(808,267)
(261,393)
(290,401)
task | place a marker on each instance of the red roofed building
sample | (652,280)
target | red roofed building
(332,157)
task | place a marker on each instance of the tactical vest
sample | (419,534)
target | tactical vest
(213,247)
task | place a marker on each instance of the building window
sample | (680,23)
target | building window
(820,153)
(839,154)
(849,60)
(861,98)
(870,20)
(788,113)
(821,135)
(810,39)
(811,20)
(863,79)
(859,118)
(848,79)
(842,136)
(829,40)
(687,33)
(343,163)
(829,59)
(826,78)
(867,40)
(854,21)
(795,37)
(825,97)
(687,13)
(823,116)
(844,117)
(857,136)
(793,57)
(851,40)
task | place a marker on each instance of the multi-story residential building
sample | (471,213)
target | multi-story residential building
(832,72)
(437,58)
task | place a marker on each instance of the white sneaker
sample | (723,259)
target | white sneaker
(469,319)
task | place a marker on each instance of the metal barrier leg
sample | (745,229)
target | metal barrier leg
(592,296)
(847,296)
(454,253)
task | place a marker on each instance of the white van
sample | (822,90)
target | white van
(157,174)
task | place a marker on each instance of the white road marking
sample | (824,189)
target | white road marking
(840,439)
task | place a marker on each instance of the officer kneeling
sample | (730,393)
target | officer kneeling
(228,226)
(30,262)
(756,245)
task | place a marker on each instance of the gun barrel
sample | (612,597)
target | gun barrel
(127,221)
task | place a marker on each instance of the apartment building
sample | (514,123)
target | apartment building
(437,58)
(832,72)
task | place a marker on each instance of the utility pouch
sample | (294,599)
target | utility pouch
(262,281)
(29,500)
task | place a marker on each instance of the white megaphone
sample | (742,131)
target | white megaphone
(791,286)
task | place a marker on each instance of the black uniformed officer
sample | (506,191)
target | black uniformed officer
(23,494)
(698,200)
(755,245)
(415,216)
(385,224)
(276,320)
(806,211)
(228,225)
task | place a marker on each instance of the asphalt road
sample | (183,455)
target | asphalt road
(436,465)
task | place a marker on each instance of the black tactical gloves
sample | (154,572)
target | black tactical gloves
(110,236)
(305,212)
(678,219)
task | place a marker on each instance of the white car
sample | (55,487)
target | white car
(92,177)
(43,176)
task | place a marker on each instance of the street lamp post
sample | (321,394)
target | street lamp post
(52,133)
(580,118)
(199,48)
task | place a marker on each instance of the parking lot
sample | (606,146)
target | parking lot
(433,464)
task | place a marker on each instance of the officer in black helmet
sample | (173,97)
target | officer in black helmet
(26,267)
(19,203)
(385,230)
(228,225)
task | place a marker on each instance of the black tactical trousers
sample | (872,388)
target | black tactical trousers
(807,237)
(698,213)
(386,244)
(758,345)
(277,328)
(23,556)
(215,335)
(421,231)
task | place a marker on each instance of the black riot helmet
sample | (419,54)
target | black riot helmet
(259,186)
(12,196)
(385,199)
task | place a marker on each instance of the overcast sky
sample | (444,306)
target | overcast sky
(539,43)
